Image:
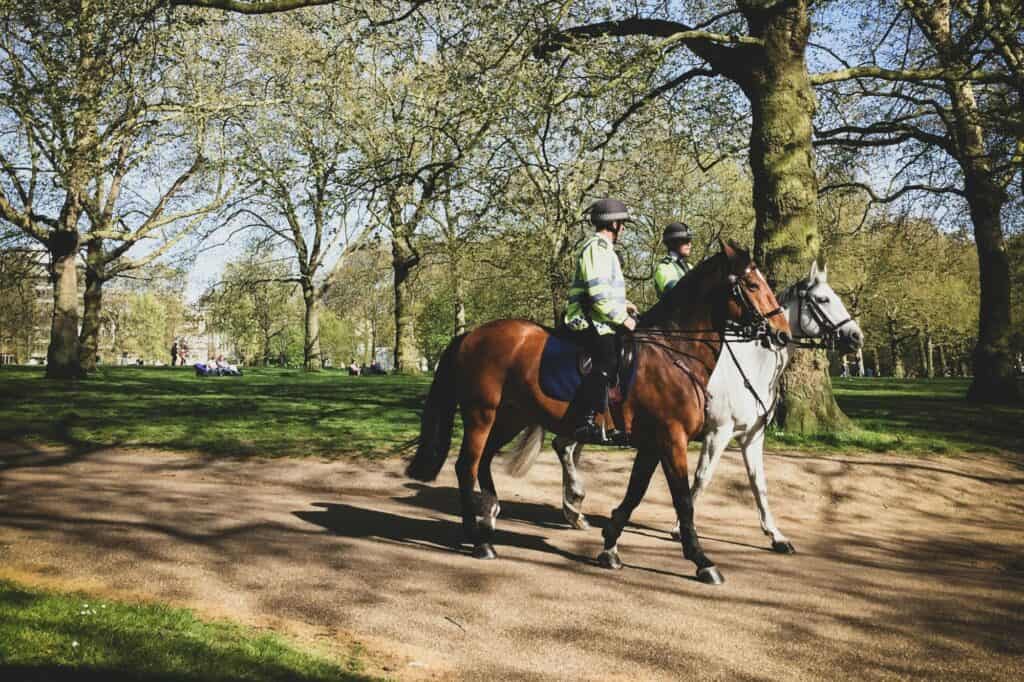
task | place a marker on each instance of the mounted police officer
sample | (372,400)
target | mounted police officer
(678,239)
(597,308)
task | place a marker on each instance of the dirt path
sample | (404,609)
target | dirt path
(906,567)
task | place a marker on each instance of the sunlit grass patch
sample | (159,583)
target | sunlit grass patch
(45,635)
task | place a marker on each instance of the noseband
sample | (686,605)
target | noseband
(829,336)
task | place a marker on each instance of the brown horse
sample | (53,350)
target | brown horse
(492,373)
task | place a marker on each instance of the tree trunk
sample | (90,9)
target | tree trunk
(929,354)
(89,339)
(785,189)
(311,360)
(460,307)
(922,351)
(943,368)
(994,378)
(62,356)
(403,260)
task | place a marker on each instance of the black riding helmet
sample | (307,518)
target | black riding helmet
(605,211)
(676,232)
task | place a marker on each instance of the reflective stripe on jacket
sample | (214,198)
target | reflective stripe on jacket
(669,271)
(598,288)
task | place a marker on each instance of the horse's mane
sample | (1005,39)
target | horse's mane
(687,292)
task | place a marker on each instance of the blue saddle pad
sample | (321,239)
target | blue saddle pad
(559,376)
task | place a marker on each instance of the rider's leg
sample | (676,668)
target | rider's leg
(595,385)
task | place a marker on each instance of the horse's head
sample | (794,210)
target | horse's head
(816,312)
(751,301)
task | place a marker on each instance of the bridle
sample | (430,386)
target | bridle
(828,339)
(754,324)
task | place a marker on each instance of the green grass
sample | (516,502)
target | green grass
(918,415)
(273,412)
(51,636)
(267,412)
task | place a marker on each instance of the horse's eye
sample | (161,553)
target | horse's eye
(821,299)
(752,286)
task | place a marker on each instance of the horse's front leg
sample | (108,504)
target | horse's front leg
(643,468)
(753,457)
(573,490)
(675,466)
(715,442)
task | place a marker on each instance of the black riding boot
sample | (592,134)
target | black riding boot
(587,430)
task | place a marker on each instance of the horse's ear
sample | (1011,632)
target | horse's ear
(727,248)
(823,274)
(738,248)
(814,270)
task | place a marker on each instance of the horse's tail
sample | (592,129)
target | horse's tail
(438,418)
(523,451)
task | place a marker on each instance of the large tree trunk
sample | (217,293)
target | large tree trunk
(403,260)
(62,356)
(994,378)
(311,359)
(785,188)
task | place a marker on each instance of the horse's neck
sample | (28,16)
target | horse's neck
(732,400)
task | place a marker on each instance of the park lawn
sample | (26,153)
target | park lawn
(267,412)
(916,415)
(54,636)
(274,412)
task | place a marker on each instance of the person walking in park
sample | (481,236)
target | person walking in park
(678,239)
(174,353)
(597,308)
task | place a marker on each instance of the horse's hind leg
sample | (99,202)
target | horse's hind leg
(500,435)
(753,457)
(573,491)
(643,468)
(477,424)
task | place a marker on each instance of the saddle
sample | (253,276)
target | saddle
(564,363)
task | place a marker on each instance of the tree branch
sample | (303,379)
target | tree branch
(875,198)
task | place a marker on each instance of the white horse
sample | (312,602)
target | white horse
(742,395)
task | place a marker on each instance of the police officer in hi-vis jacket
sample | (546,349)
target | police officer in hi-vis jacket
(678,239)
(598,307)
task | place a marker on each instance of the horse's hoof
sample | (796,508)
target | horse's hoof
(579,522)
(484,551)
(676,535)
(783,547)
(710,576)
(609,559)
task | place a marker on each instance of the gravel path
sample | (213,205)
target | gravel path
(906,567)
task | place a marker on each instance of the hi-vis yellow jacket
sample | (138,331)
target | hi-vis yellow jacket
(598,289)
(670,270)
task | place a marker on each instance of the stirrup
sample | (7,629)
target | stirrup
(593,434)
